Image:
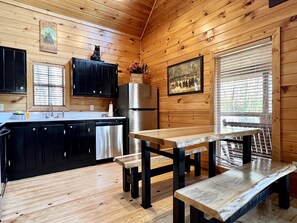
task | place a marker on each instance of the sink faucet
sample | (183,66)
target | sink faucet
(51,110)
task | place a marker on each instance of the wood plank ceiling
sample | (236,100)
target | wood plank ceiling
(127,16)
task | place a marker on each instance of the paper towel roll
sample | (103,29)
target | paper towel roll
(110,110)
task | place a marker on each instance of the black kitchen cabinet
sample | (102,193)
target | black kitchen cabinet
(94,78)
(83,78)
(81,143)
(45,147)
(23,153)
(53,146)
(12,70)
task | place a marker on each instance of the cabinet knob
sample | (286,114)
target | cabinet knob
(100,92)
(22,88)
(33,129)
(89,150)
(45,129)
(94,91)
(65,154)
(70,126)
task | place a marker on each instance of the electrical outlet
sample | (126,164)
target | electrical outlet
(92,107)
(1,107)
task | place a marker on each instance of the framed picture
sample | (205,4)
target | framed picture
(48,37)
(273,3)
(185,77)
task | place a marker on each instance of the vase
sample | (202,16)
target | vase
(136,78)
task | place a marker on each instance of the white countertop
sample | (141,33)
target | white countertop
(7,117)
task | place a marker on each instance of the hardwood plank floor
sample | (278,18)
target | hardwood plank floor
(94,194)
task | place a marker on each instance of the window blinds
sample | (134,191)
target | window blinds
(244,85)
(49,82)
(243,96)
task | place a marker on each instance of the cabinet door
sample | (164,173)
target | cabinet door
(81,75)
(20,71)
(12,70)
(2,79)
(80,143)
(9,70)
(53,146)
(23,152)
(108,81)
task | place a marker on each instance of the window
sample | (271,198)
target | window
(243,97)
(48,85)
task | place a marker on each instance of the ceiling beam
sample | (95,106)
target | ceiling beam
(148,19)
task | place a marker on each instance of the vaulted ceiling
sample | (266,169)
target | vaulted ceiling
(127,16)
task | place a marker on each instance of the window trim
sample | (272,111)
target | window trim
(49,86)
(276,69)
(30,95)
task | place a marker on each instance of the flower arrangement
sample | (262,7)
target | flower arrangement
(138,68)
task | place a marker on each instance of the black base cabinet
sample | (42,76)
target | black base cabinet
(23,152)
(40,148)
(81,143)
(53,147)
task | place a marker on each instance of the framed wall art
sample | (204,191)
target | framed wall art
(48,37)
(185,77)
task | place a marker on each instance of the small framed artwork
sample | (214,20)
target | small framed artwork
(48,37)
(273,3)
(185,77)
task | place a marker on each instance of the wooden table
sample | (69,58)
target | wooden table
(179,138)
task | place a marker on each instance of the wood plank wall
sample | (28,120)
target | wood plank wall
(183,29)
(19,28)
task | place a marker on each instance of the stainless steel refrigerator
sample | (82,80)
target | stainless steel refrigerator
(139,103)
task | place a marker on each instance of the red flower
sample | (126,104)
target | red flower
(137,68)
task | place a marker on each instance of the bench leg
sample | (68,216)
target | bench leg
(197,164)
(188,164)
(283,192)
(196,215)
(126,185)
(134,183)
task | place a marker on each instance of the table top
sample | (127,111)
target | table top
(187,136)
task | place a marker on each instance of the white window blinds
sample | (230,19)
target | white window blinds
(243,94)
(49,84)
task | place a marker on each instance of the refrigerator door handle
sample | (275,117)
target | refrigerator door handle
(143,109)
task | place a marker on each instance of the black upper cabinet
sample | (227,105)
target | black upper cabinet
(94,78)
(12,70)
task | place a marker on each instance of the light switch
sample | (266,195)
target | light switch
(92,107)
(1,107)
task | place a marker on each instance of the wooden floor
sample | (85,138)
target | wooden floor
(94,194)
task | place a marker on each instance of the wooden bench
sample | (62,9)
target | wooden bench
(130,164)
(228,196)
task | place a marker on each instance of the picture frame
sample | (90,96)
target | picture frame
(48,38)
(185,77)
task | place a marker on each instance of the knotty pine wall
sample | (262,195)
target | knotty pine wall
(19,28)
(183,29)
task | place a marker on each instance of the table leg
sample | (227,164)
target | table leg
(145,175)
(247,149)
(284,192)
(178,182)
(211,159)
